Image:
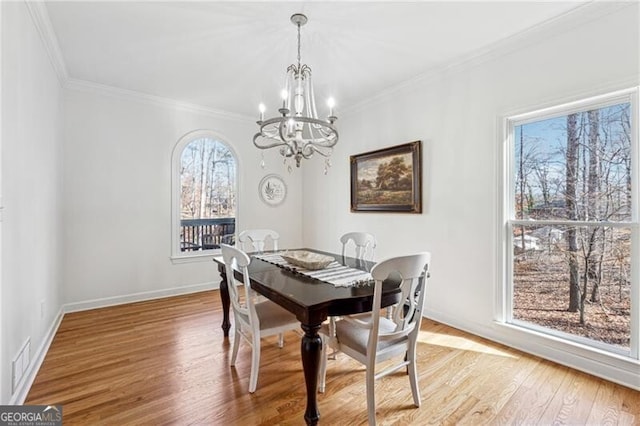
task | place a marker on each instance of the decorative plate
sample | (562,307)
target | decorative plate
(272,190)
(307,259)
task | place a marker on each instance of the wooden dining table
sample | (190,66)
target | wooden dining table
(312,302)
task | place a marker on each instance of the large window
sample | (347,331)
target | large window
(572,225)
(204,194)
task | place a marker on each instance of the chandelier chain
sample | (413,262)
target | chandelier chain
(298,45)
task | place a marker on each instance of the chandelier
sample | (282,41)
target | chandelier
(298,131)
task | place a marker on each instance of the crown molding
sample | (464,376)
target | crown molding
(40,18)
(131,95)
(550,28)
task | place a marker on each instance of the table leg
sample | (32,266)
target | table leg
(226,301)
(311,350)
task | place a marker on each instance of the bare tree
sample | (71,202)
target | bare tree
(570,203)
(207,168)
(593,201)
(541,170)
(521,179)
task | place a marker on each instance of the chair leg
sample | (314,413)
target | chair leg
(371,400)
(413,377)
(255,363)
(322,373)
(280,340)
(332,333)
(236,345)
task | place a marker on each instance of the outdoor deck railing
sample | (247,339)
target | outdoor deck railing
(206,234)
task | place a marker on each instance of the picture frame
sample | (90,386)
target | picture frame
(272,190)
(388,179)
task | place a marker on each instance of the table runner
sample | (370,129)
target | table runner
(335,273)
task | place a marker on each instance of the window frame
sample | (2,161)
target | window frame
(177,255)
(507,181)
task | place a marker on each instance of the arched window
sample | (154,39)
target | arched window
(204,188)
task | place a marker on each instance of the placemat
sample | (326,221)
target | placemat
(335,273)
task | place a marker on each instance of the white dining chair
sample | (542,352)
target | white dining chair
(252,320)
(364,242)
(255,239)
(371,338)
(364,245)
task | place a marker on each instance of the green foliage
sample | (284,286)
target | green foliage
(394,175)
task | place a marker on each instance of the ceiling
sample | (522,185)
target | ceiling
(230,56)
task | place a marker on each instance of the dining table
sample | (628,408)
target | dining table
(312,301)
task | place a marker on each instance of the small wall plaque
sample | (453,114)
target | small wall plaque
(272,190)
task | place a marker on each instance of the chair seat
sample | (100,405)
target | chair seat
(272,315)
(356,338)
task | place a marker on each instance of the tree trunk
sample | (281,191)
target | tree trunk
(570,202)
(521,173)
(593,197)
(203,181)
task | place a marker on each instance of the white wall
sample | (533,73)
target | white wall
(456,113)
(31,190)
(117,195)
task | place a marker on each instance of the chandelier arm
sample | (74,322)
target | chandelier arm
(325,132)
(326,138)
(265,146)
(269,130)
(316,135)
(314,149)
(262,145)
(331,137)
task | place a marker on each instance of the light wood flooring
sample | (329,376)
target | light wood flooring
(167,362)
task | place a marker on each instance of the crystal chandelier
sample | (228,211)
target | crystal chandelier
(298,131)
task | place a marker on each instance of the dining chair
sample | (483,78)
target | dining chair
(365,244)
(255,239)
(371,338)
(252,320)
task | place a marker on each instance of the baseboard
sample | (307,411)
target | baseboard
(611,367)
(24,386)
(139,297)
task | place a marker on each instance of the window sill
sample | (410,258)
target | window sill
(609,365)
(194,258)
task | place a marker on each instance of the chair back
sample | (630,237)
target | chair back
(254,239)
(243,309)
(413,270)
(365,244)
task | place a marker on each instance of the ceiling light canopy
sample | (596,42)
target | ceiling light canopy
(298,131)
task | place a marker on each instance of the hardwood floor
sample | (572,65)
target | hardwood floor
(166,362)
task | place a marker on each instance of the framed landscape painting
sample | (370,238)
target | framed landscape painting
(387,180)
